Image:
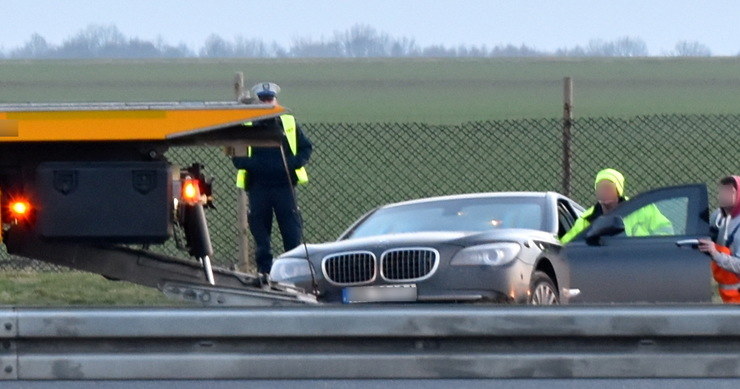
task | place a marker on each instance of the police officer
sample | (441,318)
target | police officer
(262,173)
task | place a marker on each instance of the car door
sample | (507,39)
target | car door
(609,265)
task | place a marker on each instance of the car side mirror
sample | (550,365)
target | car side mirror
(607,225)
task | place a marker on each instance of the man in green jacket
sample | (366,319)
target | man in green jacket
(609,186)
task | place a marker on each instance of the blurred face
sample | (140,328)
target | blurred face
(267,99)
(726,195)
(606,192)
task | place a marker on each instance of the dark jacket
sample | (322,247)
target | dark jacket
(265,168)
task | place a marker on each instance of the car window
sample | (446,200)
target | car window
(565,218)
(576,210)
(479,214)
(661,218)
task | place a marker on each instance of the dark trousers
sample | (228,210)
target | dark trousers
(263,202)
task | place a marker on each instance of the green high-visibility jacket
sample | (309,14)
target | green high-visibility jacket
(646,221)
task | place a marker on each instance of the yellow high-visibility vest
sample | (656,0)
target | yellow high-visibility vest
(290,129)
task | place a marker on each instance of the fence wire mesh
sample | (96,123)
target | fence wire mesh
(359,166)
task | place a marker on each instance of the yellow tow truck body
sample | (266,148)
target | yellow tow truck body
(112,122)
(94,181)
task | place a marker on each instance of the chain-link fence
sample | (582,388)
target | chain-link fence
(359,166)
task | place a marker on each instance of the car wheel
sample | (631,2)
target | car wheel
(543,290)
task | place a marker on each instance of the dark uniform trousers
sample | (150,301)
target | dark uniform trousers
(263,202)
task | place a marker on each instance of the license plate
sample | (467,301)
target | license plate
(379,294)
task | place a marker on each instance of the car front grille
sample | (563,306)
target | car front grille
(408,264)
(350,268)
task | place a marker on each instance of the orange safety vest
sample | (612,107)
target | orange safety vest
(729,282)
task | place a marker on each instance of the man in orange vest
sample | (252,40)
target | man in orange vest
(725,249)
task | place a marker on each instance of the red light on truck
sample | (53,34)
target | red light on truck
(19,209)
(190,191)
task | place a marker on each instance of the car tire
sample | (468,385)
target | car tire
(543,290)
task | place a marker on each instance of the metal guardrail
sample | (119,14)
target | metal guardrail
(372,342)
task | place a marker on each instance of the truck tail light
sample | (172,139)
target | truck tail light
(190,191)
(19,209)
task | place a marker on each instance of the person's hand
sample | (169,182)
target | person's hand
(707,246)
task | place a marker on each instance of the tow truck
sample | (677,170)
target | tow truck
(88,186)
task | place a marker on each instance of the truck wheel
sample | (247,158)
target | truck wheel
(543,290)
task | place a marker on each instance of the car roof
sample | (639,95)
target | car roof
(473,196)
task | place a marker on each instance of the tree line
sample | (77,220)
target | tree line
(359,41)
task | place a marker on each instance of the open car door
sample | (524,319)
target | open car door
(631,254)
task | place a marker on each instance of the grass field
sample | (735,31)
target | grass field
(73,288)
(394,90)
(429,91)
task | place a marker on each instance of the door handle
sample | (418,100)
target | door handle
(692,243)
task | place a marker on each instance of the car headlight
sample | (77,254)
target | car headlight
(493,254)
(291,270)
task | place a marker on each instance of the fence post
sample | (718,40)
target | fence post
(567,135)
(241,196)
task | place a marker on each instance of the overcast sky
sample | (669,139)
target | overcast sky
(545,25)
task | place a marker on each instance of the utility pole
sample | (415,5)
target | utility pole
(567,135)
(241,196)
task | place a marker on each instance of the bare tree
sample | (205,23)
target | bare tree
(630,47)
(216,47)
(622,47)
(36,47)
(250,48)
(438,51)
(359,41)
(363,41)
(691,49)
(576,51)
(515,51)
(307,48)
(91,41)
(168,51)
(404,47)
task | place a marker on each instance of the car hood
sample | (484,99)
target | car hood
(461,239)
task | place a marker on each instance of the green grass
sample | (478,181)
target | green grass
(30,288)
(394,90)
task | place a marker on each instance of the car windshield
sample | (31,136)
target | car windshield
(466,215)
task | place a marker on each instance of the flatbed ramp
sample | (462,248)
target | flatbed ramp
(359,346)
(180,279)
